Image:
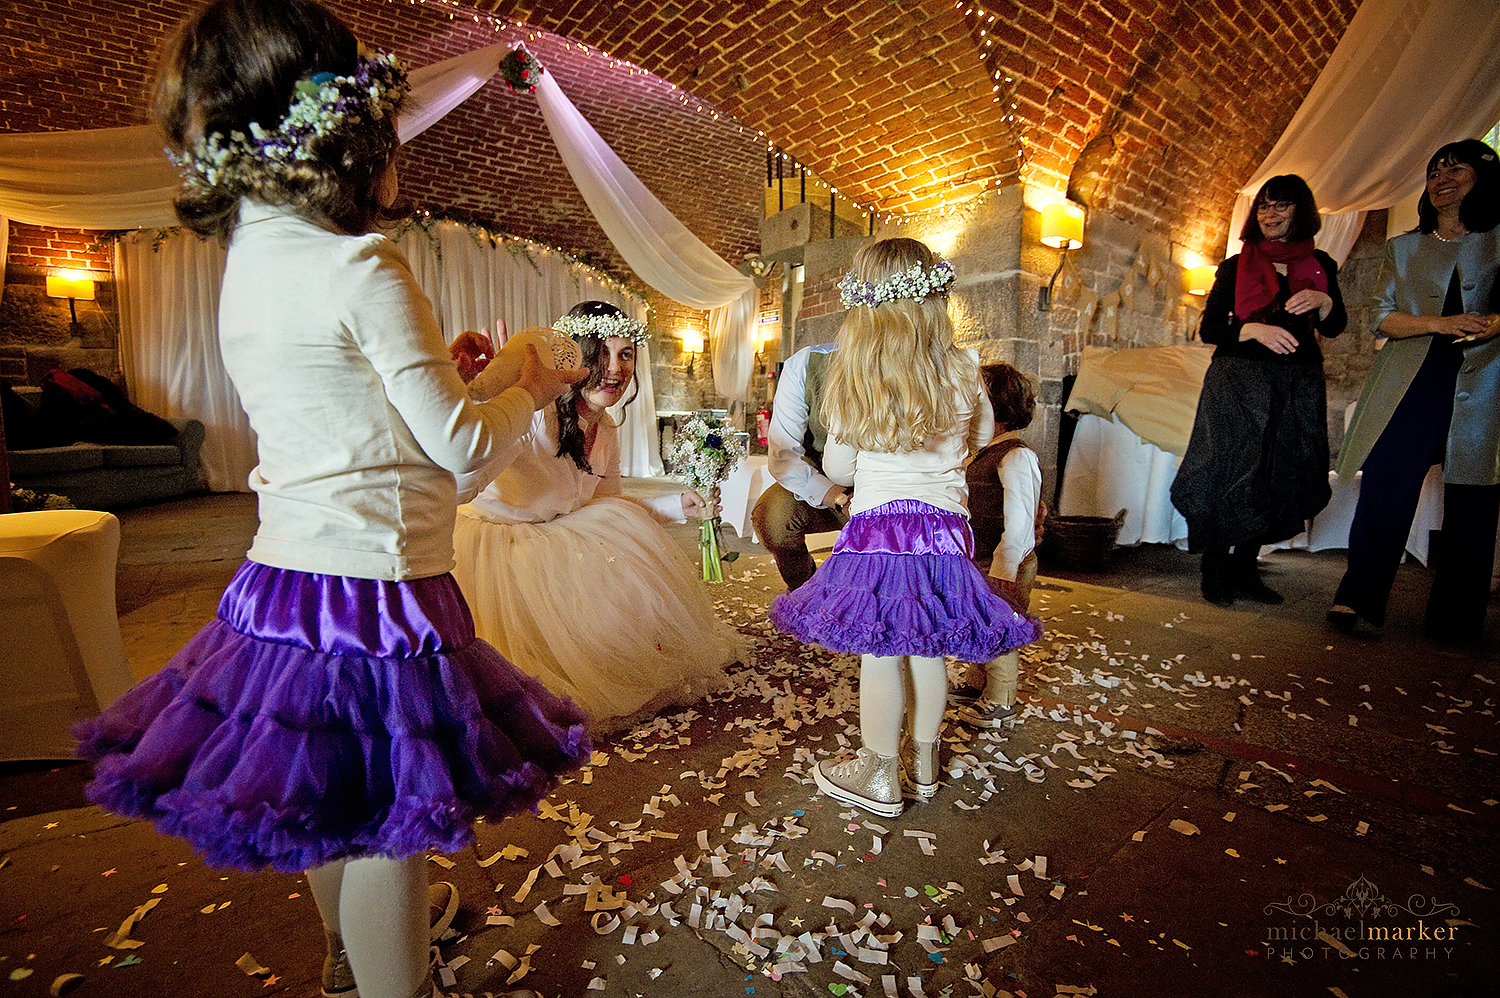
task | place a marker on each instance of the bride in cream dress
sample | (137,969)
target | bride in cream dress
(575,584)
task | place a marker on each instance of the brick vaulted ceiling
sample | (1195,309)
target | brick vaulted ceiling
(905,105)
(1153,110)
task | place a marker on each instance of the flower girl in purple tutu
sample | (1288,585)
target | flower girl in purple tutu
(904,410)
(338,716)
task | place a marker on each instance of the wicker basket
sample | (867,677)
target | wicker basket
(1083,542)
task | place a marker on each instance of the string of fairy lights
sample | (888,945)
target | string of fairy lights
(981,23)
(979,20)
(499,25)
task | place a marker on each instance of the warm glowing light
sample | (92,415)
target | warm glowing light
(692,340)
(942,243)
(1198,280)
(1062,225)
(70,284)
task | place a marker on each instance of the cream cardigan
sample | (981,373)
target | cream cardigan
(361,418)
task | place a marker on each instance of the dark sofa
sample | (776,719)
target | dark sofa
(109,476)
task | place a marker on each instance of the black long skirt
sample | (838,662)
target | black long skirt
(1256,467)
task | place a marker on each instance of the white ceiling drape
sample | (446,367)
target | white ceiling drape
(659,248)
(1407,77)
(119,178)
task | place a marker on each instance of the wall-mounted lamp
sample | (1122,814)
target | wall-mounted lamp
(692,345)
(72,285)
(1062,229)
(1198,280)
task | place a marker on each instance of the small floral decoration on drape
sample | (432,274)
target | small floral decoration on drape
(520,70)
(703,453)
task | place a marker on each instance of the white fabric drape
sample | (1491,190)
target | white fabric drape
(119,178)
(1407,77)
(659,248)
(169,345)
(478,283)
(169,348)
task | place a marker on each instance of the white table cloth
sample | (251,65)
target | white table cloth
(738,494)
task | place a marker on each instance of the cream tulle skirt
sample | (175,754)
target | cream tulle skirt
(600,605)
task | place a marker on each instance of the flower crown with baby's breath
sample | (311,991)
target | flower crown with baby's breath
(322,106)
(603,327)
(918,283)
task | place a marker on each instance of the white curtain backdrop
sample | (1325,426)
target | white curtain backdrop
(658,247)
(1407,77)
(476,282)
(169,345)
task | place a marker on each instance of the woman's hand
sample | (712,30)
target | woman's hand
(1464,324)
(1400,325)
(1273,338)
(473,352)
(695,507)
(543,383)
(1308,299)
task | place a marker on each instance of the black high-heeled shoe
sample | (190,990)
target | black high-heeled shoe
(1344,619)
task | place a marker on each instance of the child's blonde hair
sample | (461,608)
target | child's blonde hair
(892,384)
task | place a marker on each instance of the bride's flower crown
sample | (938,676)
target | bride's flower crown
(324,105)
(602,327)
(918,283)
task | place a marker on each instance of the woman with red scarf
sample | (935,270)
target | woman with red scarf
(1256,467)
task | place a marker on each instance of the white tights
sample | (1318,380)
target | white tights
(883,699)
(379,907)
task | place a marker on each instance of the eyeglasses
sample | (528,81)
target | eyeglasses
(1279,207)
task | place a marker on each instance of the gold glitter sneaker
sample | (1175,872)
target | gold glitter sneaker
(338,978)
(867,780)
(923,771)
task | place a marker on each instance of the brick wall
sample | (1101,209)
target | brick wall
(905,106)
(901,106)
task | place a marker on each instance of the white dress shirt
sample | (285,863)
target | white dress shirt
(1021,478)
(786,457)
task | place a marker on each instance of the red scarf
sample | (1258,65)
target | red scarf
(1255,284)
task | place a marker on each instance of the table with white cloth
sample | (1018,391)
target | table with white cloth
(1110,468)
(1135,413)
(61,655)
(737,496)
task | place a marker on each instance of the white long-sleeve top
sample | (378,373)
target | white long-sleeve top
(538,485)
(361,419)
(1021,478)
(934,474)
(786,457)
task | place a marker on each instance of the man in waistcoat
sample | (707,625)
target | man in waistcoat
(802,500)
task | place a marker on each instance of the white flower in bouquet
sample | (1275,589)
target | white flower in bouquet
(704,452)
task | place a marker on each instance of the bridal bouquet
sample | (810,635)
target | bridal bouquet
(703,454)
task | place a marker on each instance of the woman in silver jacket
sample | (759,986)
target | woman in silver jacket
(1429,398)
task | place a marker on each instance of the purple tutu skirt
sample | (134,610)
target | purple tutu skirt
(322,717)
(900,582)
